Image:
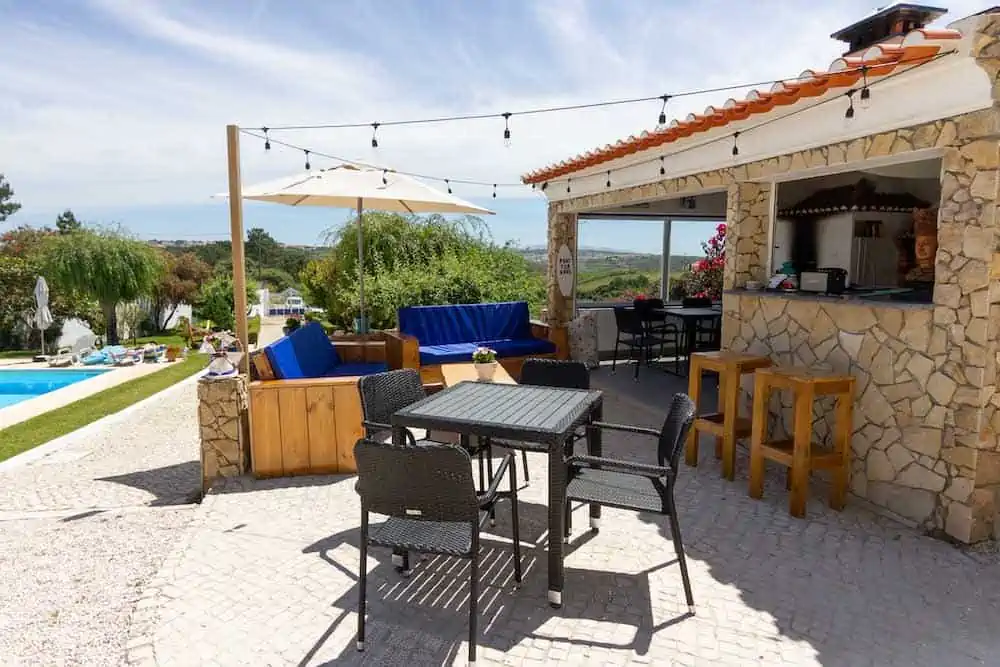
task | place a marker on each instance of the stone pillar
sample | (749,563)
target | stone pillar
(562,232)
(224,428)
(748,222)
(967,304)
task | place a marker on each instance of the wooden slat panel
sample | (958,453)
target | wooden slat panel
(322,423)
(347,402)
(265,439)
(294,431)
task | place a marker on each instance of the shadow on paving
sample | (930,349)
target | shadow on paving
(422,619)
(177,484)
(859,588)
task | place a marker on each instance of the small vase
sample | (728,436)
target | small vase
(485,372)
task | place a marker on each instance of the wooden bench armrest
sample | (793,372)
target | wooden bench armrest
(401,350)
(539,329)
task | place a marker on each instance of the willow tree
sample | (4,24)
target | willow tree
(105,265)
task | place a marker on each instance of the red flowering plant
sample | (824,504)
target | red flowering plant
(705,279)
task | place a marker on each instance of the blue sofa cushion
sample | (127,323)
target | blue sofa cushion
(459,353)
(466,323)
(348,370)
(305,353)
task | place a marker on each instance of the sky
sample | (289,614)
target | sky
(117,109)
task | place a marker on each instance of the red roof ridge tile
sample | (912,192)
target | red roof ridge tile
(876,61)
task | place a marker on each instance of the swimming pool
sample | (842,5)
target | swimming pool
(20,385)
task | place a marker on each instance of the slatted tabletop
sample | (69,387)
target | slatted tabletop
(517,412)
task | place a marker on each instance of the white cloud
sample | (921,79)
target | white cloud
(133,111)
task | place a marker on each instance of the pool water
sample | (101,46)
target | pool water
(19,385)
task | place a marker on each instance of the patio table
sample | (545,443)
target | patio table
(690,318)
(543,415)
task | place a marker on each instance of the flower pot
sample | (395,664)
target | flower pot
(485,372)
(173,352)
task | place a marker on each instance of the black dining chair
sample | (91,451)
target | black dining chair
(430,499)
(707,333)
(383,394)
(631,332)
(549,373)
(641,487)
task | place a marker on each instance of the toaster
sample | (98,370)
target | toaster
(823,281)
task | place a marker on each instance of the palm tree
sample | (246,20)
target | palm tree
(105,265)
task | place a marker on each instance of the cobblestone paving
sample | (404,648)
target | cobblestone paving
(83,529)
(267,576)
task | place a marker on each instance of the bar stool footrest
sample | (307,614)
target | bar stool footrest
(714,423)
(820,456)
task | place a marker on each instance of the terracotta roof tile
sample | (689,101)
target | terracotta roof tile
(877,61)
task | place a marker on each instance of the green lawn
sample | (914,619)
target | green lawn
(39,430)
(162,339)
(16,354)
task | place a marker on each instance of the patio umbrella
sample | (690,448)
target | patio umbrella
(348,186)
(43,316)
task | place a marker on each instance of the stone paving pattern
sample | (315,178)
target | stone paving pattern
(84,528)
(267,576)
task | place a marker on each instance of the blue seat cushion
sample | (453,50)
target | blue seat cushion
(458,353)
(305,353)
(346,370)
(466,323)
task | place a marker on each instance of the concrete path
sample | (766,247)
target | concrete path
(267,575)
(270,330)
(84,528)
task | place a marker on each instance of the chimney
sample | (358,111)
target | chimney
(888,24)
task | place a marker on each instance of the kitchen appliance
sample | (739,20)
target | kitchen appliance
(824,281)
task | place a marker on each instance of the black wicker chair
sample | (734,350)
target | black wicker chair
(430,498)
(633,333)
(549,373)
(655,320)
(637,486)
(383,394)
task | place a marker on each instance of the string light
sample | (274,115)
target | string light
(568,181)
(866,93)
(849,113)
(506,128)
(384,180)
(375,135)
(572,107)
(662,120)
(494,190)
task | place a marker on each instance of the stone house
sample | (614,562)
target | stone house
(883,166)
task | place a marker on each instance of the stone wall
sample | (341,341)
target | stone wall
(224,428)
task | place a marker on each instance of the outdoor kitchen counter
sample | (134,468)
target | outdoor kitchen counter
(908,381)
(875,301)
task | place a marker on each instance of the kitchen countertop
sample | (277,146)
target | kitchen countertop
(877,301)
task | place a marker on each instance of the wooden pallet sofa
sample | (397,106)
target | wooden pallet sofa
(305,412)
(430,336)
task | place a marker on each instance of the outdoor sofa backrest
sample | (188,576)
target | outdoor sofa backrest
(466,323)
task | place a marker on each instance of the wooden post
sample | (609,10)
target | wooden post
(236,233)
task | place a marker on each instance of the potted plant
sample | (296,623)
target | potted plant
(291,324)
(485,361)
(173,352)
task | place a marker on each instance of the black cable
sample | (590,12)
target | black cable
(541,110)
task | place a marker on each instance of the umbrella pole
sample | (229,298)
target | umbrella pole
(362,323)
(41,332)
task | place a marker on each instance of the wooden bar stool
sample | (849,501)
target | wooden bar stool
(801,454)
(726,424)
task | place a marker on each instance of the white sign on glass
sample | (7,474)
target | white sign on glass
(564,270)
